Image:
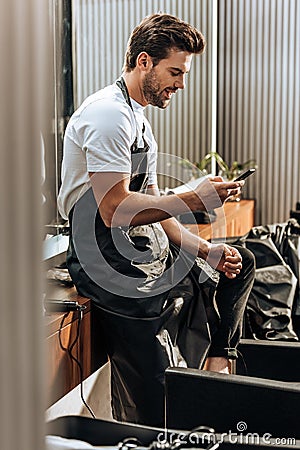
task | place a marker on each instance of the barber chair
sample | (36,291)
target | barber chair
(105,435)
(263,395)
(99,432)
(273,360)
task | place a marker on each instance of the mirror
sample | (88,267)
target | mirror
(85,60)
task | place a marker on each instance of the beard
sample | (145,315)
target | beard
(152,91)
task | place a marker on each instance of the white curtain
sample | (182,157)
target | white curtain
(24,93)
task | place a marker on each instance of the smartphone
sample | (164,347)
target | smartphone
(245,175)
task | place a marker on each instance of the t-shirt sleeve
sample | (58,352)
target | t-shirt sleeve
(104,132)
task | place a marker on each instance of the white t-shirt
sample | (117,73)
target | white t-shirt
(98,138)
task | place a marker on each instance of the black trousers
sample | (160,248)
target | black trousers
(231,299)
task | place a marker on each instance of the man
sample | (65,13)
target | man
(151,279)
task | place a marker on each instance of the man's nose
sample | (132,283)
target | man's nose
(180,82)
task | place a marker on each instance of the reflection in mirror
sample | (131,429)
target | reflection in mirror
(89,46)
(100,33)
(95,34)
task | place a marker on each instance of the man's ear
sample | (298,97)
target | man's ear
(144,61)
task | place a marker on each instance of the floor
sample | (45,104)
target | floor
(96,392)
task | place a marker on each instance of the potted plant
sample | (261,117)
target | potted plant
(226,171)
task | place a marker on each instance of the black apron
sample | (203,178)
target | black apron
(154,312)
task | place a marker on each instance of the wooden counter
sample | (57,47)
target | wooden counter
(62,373)
(234,219)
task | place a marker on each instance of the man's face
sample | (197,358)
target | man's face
(163,80)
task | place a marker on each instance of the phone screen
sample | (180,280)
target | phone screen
(245,175)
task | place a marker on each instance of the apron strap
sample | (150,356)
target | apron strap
(122,85)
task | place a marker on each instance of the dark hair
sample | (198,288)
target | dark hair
(157,35)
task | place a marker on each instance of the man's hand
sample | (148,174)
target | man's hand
(226,259)
(214,191)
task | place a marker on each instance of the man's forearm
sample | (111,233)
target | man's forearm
(134,208)
(182,237)
(220,256)
(145,209)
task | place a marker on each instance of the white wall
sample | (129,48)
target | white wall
(259,98)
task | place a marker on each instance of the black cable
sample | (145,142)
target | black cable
(69,350)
